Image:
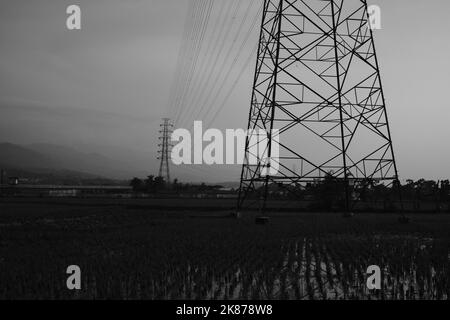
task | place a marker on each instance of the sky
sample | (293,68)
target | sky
(107,86)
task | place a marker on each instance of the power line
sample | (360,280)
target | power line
(227,97)
(183,52)
(196,53)
(196,47)
(207,52)
(220,41)
(232,66)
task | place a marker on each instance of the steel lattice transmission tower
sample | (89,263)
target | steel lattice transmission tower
(164,149)
(318,82)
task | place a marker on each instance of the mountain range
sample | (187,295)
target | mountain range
(47,157)
(63,164)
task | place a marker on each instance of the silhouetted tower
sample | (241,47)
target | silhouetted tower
(164,149)
(317,82)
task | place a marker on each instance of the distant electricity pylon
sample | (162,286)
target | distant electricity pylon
(164,149)
(317,81)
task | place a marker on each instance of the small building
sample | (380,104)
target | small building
(13,181)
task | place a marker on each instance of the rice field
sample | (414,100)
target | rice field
(137,253)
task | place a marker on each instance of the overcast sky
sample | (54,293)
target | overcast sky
(109,84)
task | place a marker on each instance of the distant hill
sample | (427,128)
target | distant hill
(230,184)
(36,176)
(72,159)
(51,158)
(21,157)
(42,161)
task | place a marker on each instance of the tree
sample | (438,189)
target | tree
(137,184)
(176,185)
(160,184)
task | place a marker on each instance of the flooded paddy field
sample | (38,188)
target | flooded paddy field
(136,252)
